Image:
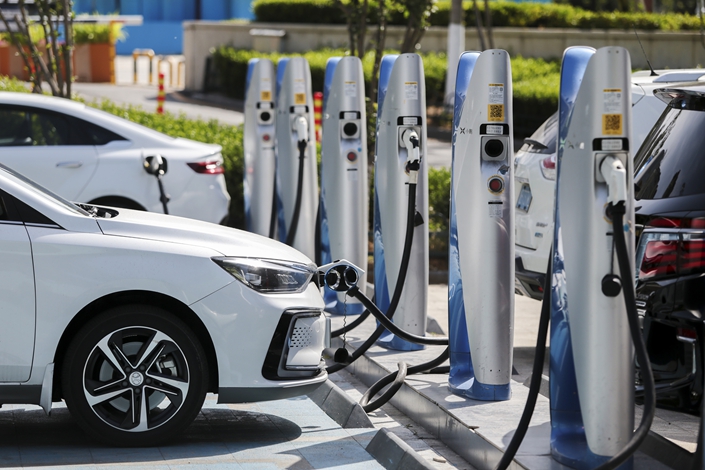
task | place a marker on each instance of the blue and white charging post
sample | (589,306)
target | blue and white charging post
(591,357)
(344,190)
(401,114)
(481,251)
(296,146)
(258,143)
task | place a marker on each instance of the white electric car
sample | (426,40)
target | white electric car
(535,175)
(84,154)
(131,317)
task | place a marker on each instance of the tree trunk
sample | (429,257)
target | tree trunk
(456,45)
(478,25)
(488,24)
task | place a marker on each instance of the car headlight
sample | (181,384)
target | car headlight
(268,275)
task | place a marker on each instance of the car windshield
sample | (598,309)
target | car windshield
(43,192)
(670,162)
(544,139)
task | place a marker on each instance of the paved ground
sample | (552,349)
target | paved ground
(293,434)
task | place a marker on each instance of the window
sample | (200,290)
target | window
(23,125)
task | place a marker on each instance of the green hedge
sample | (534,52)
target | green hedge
(535,80)
(504,14)
(83,33)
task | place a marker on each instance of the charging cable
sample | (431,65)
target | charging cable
(156,165)
(301,127)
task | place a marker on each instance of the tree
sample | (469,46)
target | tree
(416,13)
(38,43)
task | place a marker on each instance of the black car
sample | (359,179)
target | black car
(670,249)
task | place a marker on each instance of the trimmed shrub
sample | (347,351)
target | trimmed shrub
(504,14)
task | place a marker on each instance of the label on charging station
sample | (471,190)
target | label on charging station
(495,107)
(265,93)
(350,89)
(495,208)
(299,91)
(411,90)
(611,112)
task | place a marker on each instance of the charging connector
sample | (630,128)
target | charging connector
(615,175)
(413,154)
(301,128)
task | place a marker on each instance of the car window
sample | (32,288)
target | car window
(87,133)
(543,140)
(671,161)
(24,125)
(31,126)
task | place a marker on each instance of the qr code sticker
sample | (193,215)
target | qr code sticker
(611,124)
(299,98)
(495,112)
(266,96)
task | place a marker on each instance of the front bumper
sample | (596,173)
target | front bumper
(254,340)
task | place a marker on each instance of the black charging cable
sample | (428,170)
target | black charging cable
(291,235)
(401,278)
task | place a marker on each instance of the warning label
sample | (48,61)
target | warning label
(351,89)
(611,124)
(411,90)
(612,100)
(496,93)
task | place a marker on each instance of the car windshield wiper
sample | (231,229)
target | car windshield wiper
(536,143)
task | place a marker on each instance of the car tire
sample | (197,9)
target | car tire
(134,376)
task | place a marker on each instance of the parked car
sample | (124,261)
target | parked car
(669,186)
(88,155)
(131,317)
(535,176)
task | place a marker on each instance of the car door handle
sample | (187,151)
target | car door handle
(69,164)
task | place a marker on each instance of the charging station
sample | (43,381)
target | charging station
(481,263)
(401,139)
(591,357)
(297,172)
(258,142)
(344,189)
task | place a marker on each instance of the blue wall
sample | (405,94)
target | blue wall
(162,30)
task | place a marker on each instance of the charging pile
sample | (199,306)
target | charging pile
(344,184)
(481,264)
(297,175)
(590,290)
(258,143)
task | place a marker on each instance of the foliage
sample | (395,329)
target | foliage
(504,14)
(438,199)
(12,84)
(92,33)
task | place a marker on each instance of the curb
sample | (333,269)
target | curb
(393,453)
(340,407)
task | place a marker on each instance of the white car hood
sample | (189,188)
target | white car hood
(225,241)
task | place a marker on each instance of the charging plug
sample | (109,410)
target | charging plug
(413,153)
(615,175)
(301,128)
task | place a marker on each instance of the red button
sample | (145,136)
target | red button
(266,137)
(352,156)
(496,185)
